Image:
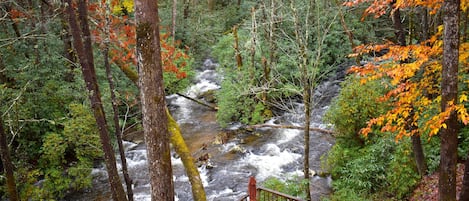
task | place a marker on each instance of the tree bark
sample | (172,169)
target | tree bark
(210,5)
(118,131)
(7,165)
(173,20)
(178,142)
(82,45)
(239,59)
(399,30)
(419,155)
(155,119)
(449,93)
(68,52)
(253,45)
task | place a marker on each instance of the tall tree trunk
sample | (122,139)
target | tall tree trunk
(179,146)
(118,131)
(449,93)
(155,119)
(82,45)
(68,52)
(7,165)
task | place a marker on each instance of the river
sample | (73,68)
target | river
(235,154)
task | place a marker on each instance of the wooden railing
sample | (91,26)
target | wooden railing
(265,194)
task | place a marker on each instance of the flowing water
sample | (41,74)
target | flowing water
(235,154)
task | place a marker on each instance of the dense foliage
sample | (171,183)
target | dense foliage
(51,131)
(53,138)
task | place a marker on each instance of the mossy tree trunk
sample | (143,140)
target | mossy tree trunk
(82,45)
(198,192)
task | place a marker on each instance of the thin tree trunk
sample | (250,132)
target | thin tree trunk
(215,108)
(186,11)
(253,45)
(305,82)
(118,131)
(399,30)
(449,93)
(155,119)
(419,156)
(239,59)
(68,52)
(307,112)
(173,20)
(7,165)
(84,51)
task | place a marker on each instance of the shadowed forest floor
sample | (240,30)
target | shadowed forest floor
(428,187)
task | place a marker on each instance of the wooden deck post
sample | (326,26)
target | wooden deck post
(252,189)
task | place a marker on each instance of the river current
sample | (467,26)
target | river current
(234,154)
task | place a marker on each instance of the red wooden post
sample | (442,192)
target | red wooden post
(252,189)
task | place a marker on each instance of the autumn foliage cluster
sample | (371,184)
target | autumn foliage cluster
(412,74)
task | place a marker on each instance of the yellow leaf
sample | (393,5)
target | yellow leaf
(444,125)
(462,98)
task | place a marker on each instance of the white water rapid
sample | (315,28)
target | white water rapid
(262,153)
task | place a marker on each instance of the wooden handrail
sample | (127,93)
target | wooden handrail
(265,194)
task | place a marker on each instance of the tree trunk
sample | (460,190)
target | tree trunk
(198,192)
(239,59)
(253,45)
(7,165)
(173,20)
(85,55)
(449,93)
(178,142)
(398,29)
(465,183)
(306,84)
(210,5)
(419,156)
(68,52)
(306,101)
(118,131)
(155,119)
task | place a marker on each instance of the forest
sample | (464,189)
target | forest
(78,77)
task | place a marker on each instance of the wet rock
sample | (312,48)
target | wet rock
(236,149)
(209,96)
